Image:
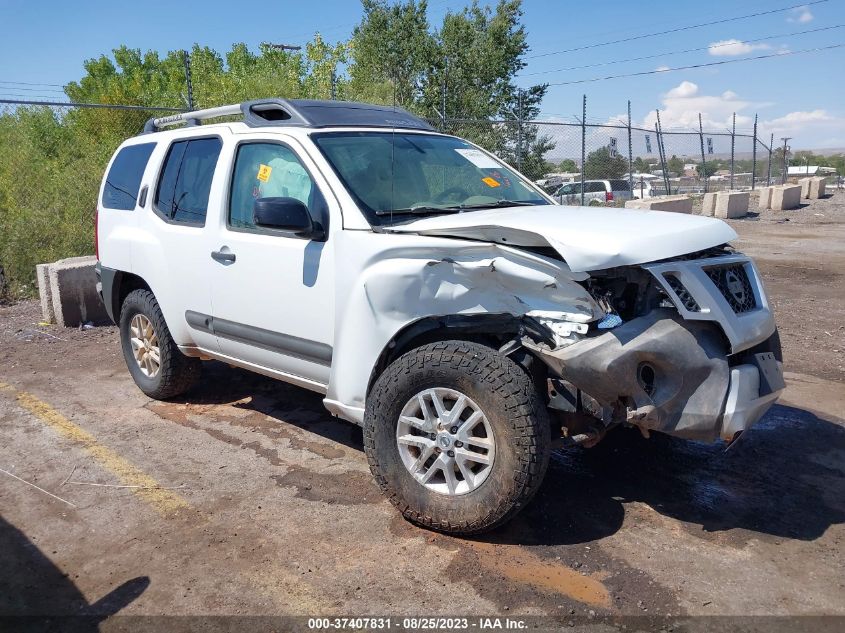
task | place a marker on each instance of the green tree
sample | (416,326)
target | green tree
(707,169)
(600,164)
(675,165)
(567,165)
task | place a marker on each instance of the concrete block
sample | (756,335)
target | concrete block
(785,197)
(817,188)
(805,187)
(765,200)
(676,204)
(708,205)
(74,293)
(42,274)
(732,204)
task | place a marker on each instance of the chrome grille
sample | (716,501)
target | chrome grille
(682,293)
(732,281)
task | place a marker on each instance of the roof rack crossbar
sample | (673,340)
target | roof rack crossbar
(190,118)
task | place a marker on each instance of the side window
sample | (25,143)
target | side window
(266,170)
(595,187)
(124,177)
(185,181)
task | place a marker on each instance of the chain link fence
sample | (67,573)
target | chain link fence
(54,155)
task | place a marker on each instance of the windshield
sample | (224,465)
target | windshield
(395,176)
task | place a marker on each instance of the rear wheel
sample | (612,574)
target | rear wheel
(157,365)
(456,436)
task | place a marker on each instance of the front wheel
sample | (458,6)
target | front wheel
(456,436)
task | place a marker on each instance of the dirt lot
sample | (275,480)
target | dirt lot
(265,504)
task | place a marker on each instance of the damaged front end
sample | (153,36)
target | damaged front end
(687,347)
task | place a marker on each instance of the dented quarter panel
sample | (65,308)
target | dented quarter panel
(588,238)
(391,281)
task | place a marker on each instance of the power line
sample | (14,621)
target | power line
(27,83)
(677,30)
(719,63)
(90,105)
(688,50)
(31,89)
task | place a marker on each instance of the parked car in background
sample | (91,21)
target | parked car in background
(642,190)
(595,192)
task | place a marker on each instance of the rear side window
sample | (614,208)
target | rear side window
(185,181)
(620,185)
(594,187)
(124,177)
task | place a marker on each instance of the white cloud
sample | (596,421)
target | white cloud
(682,104)
(801,15)
(733,47)
(662,69)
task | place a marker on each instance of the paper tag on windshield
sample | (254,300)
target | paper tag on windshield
(479,158)
(264,172)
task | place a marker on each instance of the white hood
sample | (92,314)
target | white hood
(588,238)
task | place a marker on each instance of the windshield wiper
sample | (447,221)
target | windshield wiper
(420,210)
(498,203)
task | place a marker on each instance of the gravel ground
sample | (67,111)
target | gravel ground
(270,508)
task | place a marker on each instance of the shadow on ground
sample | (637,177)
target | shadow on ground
(783,479)
(36,595)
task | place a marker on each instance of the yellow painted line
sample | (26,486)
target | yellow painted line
(166,502)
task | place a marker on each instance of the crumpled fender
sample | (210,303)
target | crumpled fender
(415,278)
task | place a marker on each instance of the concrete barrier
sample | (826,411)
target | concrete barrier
(708,205)
(732,204)
(68,292)
(676,204)
(765,200)
(805,187)
(817,188)
(42,274)
(785,197)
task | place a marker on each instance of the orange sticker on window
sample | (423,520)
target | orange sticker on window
(264,172)
(491,182)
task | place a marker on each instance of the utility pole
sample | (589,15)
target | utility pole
(186,59)
(519,131)
(733,153)
(630,152)
(771,153)
(754,156)
(785,139)
(703,160)
(583,146)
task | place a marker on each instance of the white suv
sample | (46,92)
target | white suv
(429,292)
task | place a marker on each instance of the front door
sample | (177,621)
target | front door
(272,291)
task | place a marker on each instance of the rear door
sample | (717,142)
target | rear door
(171,246)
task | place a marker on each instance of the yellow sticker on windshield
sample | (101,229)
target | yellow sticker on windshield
(264,172)
(491,182)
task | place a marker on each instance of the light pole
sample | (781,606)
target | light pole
(785,150)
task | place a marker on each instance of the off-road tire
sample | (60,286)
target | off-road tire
(518,418)
(177,372)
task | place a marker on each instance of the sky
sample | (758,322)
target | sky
(797,95)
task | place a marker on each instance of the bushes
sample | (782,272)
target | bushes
(49,176)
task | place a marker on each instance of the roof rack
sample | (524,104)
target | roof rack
(298,113)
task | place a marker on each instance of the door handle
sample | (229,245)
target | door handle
(223,258)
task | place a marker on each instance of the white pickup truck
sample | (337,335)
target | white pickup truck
(432,294)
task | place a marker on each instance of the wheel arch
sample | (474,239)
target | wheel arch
(491,330)
(117,284)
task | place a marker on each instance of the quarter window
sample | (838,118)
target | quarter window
(185,182)
(124,177)
(266,170)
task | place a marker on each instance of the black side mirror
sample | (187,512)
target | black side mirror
(283,214)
